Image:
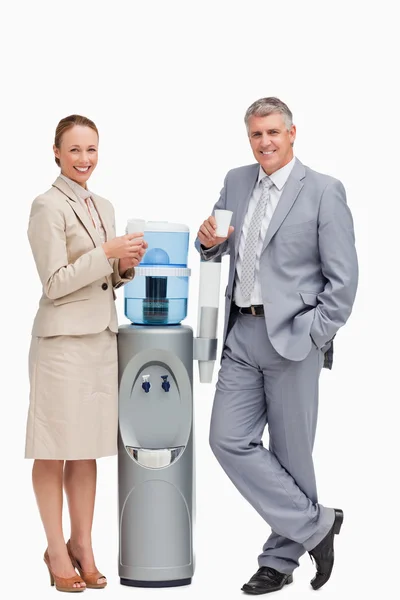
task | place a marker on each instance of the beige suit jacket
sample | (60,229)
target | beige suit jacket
(78,280)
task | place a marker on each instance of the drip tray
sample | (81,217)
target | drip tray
(155,458)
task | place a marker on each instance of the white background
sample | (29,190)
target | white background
(167,84)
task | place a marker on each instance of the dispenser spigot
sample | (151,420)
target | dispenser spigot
(146,385)
(165,384)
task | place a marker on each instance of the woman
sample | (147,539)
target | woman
(73,357)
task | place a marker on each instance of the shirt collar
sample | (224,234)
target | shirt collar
(280,176)
(75,187)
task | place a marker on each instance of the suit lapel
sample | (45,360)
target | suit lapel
(78,209)
(290,192)
(242,206)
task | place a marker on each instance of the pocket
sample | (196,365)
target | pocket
(82,294)
(287,231)
(309,298)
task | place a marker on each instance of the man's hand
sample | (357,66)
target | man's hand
(206,233)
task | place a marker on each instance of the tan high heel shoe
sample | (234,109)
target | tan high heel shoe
(90,578)
(63,584)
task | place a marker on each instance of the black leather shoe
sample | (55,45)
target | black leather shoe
(323,553)
(266,580)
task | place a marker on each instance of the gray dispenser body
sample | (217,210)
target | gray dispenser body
(155,455)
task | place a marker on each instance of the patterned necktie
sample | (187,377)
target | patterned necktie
(250,247)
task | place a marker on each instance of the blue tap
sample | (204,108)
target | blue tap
(165,384)
(146,385)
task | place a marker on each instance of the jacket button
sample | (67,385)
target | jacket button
(104,286)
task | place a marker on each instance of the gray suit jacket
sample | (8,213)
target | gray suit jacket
(308,265)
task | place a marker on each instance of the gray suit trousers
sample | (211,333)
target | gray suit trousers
(258,387)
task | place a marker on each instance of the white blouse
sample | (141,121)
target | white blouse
(84,196)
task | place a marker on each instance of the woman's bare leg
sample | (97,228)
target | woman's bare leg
(47,479)
(80,486)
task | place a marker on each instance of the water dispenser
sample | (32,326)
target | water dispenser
(155,438)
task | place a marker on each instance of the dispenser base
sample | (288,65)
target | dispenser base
(155,584)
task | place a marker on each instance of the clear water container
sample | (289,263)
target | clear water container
(158,294)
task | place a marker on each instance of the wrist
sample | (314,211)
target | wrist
(122,267)
(106,250)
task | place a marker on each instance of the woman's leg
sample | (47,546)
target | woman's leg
(80,486)
(47,479)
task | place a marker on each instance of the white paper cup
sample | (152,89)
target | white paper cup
(223,218)
(135,225)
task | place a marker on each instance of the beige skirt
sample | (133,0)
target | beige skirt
(73,410)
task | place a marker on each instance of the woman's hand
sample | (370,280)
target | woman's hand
(129,262)
(125,246)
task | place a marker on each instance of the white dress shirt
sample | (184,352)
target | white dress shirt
(87,203)
(279,179)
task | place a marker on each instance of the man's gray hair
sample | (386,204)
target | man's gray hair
(268,106)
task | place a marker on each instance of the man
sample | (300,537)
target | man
(292,283)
